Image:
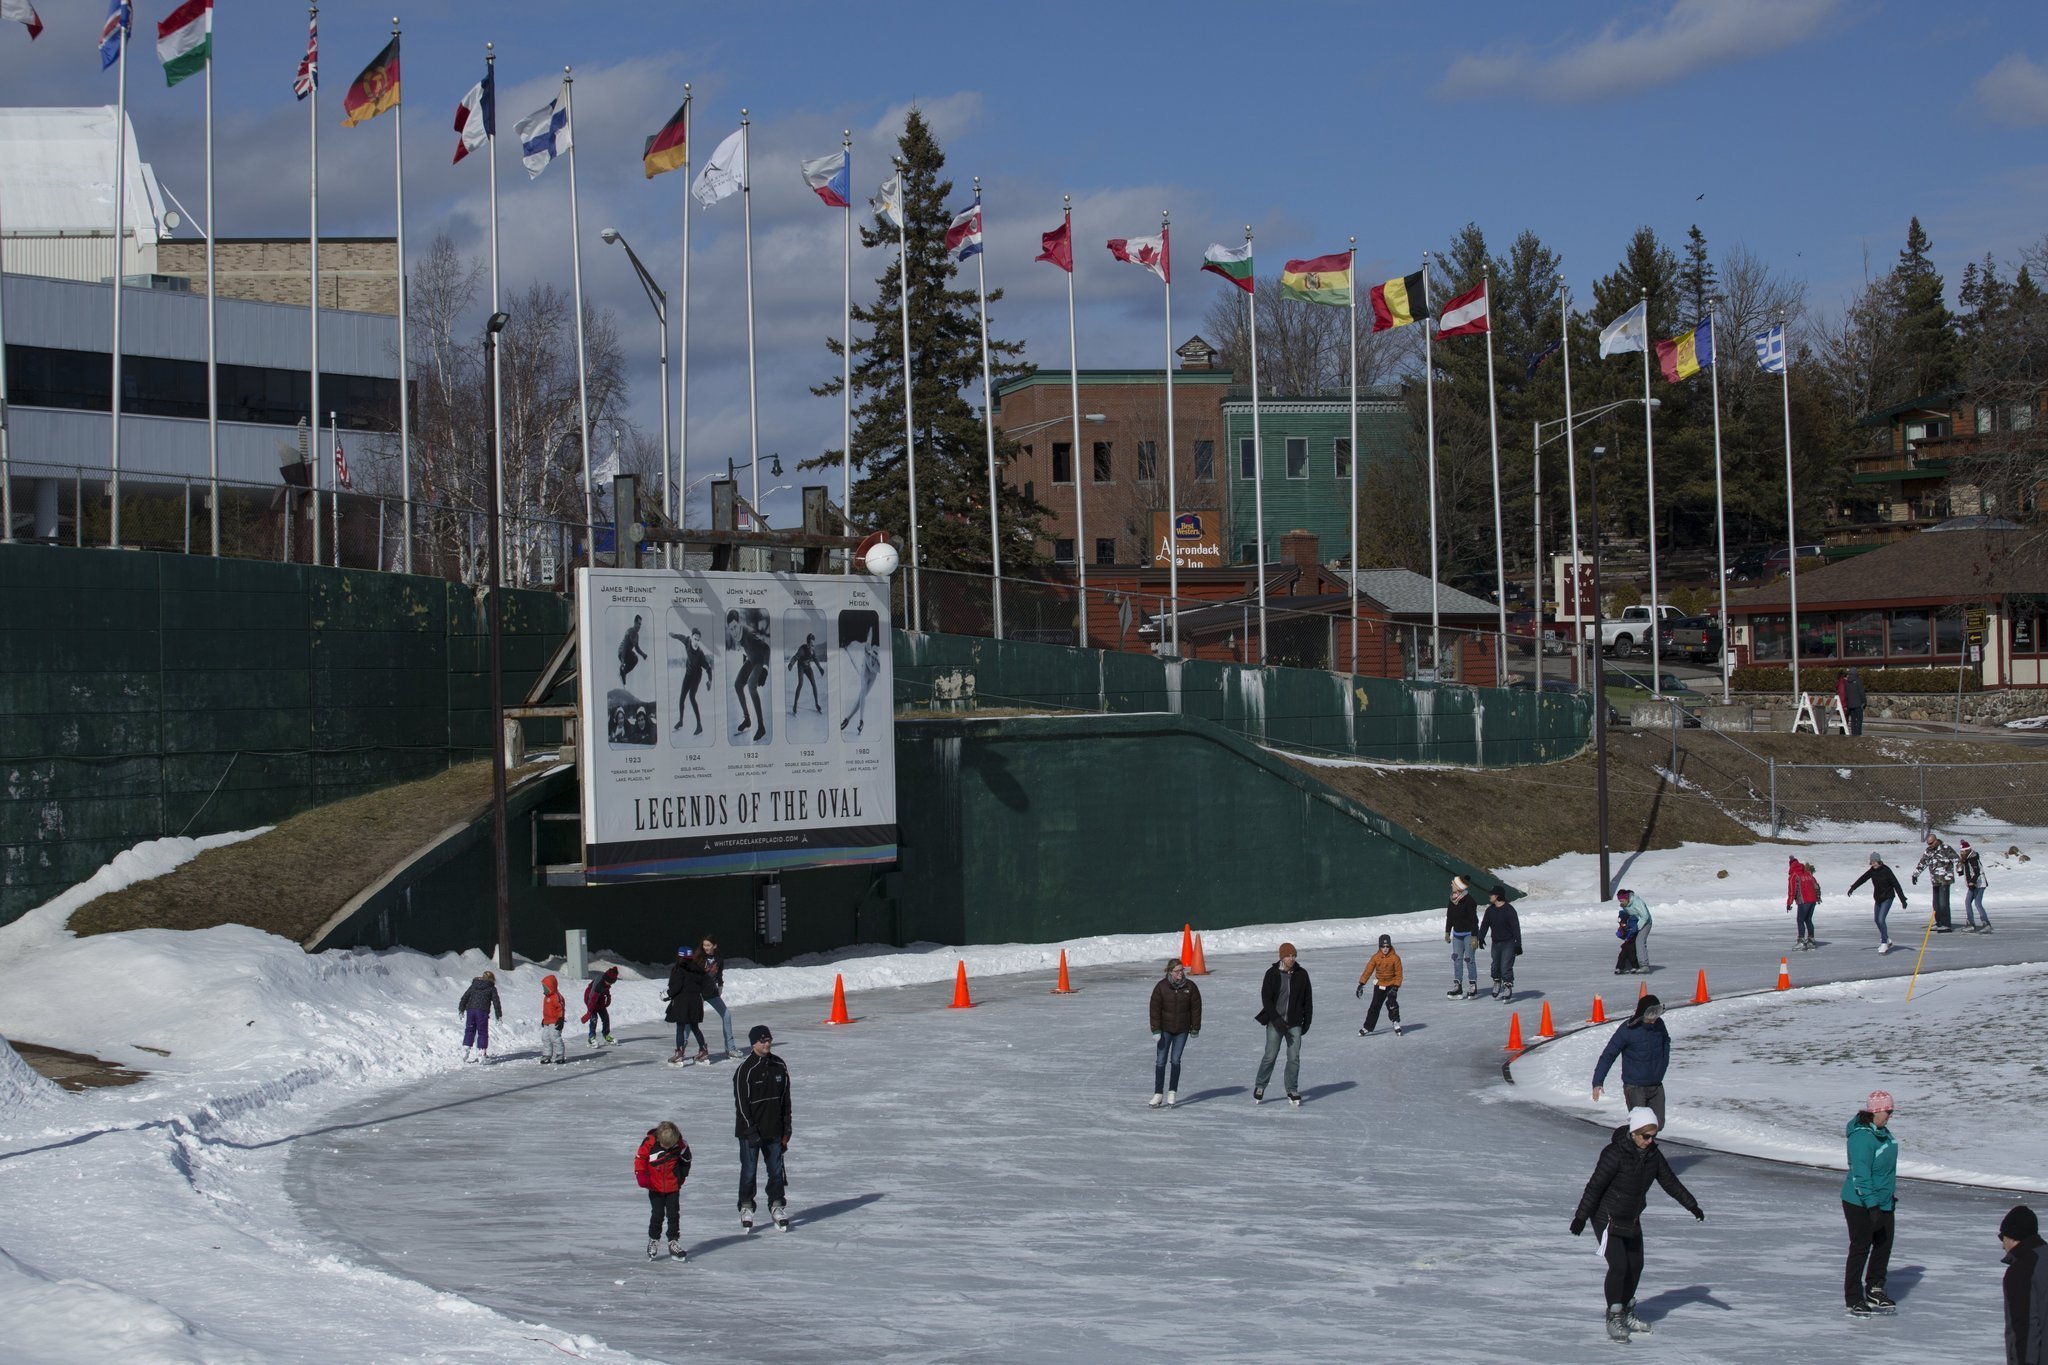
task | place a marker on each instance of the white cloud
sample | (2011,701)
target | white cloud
(1623,60)
(2015,91)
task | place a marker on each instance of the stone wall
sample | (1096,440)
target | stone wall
(357,274)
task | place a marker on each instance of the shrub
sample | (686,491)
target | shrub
(1821,678)
(1624,595)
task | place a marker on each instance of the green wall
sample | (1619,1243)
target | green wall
(1319,503)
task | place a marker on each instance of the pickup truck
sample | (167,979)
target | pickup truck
(1698,638)
(1631,631)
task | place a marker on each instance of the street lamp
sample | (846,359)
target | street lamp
(659,298)
(499,871)
(1565,425)
(1600,690)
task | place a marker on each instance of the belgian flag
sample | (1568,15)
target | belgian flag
(670,147)
(375,91)
(1400,302)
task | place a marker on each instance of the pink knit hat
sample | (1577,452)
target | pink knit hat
(1879,1100)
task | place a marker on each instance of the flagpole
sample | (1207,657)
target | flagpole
(1172,493)
(1571,484)
(1352,275)
(582,358)
(497,371)
(683,340)
(212,336)
(1258,453)
(404,355)
(846,347)
(124,33)
(1500,549)
(1536,518)
(1436,659)
(1650,493)
(313,279)
(6,467)
(1791,515)
(1074,455)
(747,231)
(909,426)
(988,418)
(334,479)
(1720,504)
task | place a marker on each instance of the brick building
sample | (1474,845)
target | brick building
(357,274)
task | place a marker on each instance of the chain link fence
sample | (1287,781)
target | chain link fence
(1926,797)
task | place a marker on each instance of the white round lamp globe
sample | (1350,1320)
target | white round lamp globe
(881,560)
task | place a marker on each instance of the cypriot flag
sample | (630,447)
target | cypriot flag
(1629,332)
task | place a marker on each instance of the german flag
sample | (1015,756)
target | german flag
(670,147)
(375,91)
(1400,302)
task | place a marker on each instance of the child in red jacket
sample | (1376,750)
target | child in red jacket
(552,1010)
(661,1167)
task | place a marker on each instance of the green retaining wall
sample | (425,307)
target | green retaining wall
(1381,719)
(144,695)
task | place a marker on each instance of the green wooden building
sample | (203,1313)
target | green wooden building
(1307,477)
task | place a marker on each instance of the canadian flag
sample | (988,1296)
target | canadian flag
(1154,253)
(21,11)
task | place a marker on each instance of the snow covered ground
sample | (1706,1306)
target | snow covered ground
(311,1174)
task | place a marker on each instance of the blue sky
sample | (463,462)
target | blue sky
(1813,129)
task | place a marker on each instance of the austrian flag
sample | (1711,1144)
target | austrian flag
(1467,314)
(1154,253)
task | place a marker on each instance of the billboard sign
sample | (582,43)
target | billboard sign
(1196,541)
(725,722)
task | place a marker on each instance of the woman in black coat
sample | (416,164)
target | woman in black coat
(1613,1203)
(685,1009)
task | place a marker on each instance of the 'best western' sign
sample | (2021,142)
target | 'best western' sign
(1195,541)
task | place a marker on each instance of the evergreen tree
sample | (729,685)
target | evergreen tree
(1928,357)
(1696,278)
(945,363)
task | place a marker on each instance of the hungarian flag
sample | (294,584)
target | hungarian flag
(1326,279)
(1685,356)
(184,40)
(670,147)
(1232,263)
(22,12)
(1057,246)
(1468,314)
(1400,302)
(375,91)
(1154,253)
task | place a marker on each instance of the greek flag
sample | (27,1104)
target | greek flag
(543,136)
(1770,349)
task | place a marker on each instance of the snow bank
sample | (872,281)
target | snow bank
(51,1318)
(21,1088)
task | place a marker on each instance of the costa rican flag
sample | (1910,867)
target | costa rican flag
(1770,349)
(309,65)
(963,238)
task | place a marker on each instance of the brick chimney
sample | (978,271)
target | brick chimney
(1298,549)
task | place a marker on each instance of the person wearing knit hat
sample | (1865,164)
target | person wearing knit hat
(1869,1200)
(1939,863)
(1644,1047)
(1285,1008)
(1884,891)
(1970,869)
(1613,1203)
(1383,973)
(2026,1287)
(1461,928)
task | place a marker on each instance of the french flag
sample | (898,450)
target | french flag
(831,177)
(963,238)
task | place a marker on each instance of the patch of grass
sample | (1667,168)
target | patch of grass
(75,1070)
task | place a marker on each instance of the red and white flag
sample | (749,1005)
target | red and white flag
(341,479)
(22,12)
(1154,253)
(1466,315)
(308,79)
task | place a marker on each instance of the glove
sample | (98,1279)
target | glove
(1578,1226)
(1359,994)
(785,1147)
(1194,1033)
(1916,879)
(1699,1214)
(1447,937)
(1155,1033)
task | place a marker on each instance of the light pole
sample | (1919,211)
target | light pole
(659,298)
(1600,690)
(499,871)
(1540,433)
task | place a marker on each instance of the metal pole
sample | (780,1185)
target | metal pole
(1351,274)
(212,336)
(1436,658)
(334,476)
(313,278)
(1774,797)
(683,341)
(1500,551)
(1258,457)
(1571,483)
(404,354)
(1650,493)
(120,233)
(1720,508)
(582,357)
(661,316)
(1599,690)
(6,468)
(500,874)
(846,349)
(988,423)
(497,372)
(1536,577)
(1074,455)
(747,234)
(1791,527)
(1172,497)
(909,423)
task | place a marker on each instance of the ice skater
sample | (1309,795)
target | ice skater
(661,1166)
(762,1121)
(2026,1287)
(1802,892)
(1644,1046)
(1970,867)
(747,632)
(1884,892)
(1505,927)
(869,660)
(1383,973)
(630,653)
(804,659)
(1638,939)
(1285,1007)
(1613,1202)
(685,1009)
(1869,1199)
(696,668)
(597,1003)
(552,1011)
(710,970)
(1939,863)
(1461,923)
(1176,1014)
(476,1007)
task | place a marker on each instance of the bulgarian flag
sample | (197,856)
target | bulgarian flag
(1233,264)
(184,40)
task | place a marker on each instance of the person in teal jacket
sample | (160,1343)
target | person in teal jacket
(1869,1197)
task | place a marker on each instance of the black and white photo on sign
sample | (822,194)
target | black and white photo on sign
(804,675)
(630,708)
(860,645)
(691,668)
(748,644)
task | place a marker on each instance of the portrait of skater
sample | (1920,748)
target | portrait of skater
(746,634)
(803,660)
(630,653)
(696,670)
(860,640)
(868,660)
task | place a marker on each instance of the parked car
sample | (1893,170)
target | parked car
(1697,638)
(1522,634)
(1563,685)
(1631,630)
(1776,561)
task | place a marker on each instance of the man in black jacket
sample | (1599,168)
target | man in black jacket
(2026,1288)
(1613,1201)
(1504,926)
(761,1120)
(1285,1008)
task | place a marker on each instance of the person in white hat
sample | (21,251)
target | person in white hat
(1613,1203)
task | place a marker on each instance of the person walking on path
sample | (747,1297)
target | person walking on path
(1285,1008)
(1637,941)
(477,1005)
(1504,926)
(1802,890)
(1383,973)
(1613,1203)
(661,1166)
(2026,1288)
(685,1009)
(597,1003)
(762,1120)
(1939,863)
(1176,1016)
(552,1011)
(1884,890)
(1854,700)
(1461,924)
(710,969)
(1644,1047)
(1869,1195)
(1970,867)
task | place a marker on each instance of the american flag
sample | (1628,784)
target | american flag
(309,65)
(341,479)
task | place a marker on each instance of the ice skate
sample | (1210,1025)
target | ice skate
(703,1057)
(466,1055)
(1860,1308)
(676,1058)
(1878,1300)
(1397,1030)
(1157,1099)
(1631,1321)
(653,1251)
(1617,1325)
(675,1249)
(1172,1098)
(1294,1099)
(1363,1031)
(1257,1096)
(746,1218)
(1454,992)
(780,1213)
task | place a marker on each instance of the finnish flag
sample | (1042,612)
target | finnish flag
(544,135)
(1770,349)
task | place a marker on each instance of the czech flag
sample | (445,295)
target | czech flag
(831,178)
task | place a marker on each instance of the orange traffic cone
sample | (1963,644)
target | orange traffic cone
(1065,987)
(961,1001)
(1187,944)
(839,1014)
(1642,989)
(1514,1032)
(1544,1030)
(1599,1012)
(1200,966)
(1699,994)
(1784,976)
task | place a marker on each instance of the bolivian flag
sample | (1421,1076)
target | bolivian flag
(670,147)
(375,91)
(1326,279)
(1400,302)
(1685,356)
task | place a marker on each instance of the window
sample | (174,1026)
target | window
(1297,457)
(1063,550)
(2022,416)
(1767,635)
(1908,633)
(1948,631)
(153,386)
(1148,462)
(1205,459)
(1103,472)
(1863,635)
(1817,638)
(1030,492)
(1248,553)
(1105,549)
(1342,446)
(1247,458)
(1985,417)
(1062,461)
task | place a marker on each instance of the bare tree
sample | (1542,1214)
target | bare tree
(1302,346)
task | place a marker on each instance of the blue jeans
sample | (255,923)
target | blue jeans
(1166,1051)
(1883,913)
(717,1002)
(771,1152)
(683,1032)
(1274,1035)
(1973,906)
(1504,961)
(1464,959)
(1805,919)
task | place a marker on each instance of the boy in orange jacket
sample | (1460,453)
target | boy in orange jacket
(552,1012)
(1383,973)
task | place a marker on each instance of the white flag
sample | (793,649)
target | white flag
(605,470)
(1629,332)
(888,202)
(720,178)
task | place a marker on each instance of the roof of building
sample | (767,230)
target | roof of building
(1961,564)
(1088,377)
(1405,592)
(57,174)
(1938,401)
